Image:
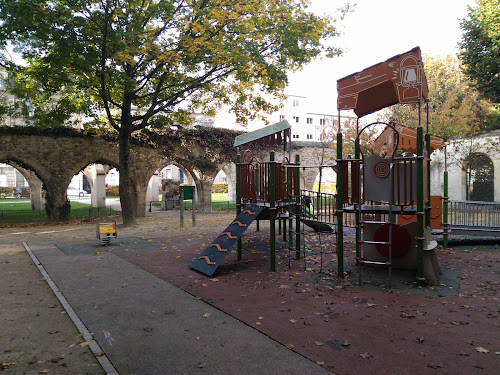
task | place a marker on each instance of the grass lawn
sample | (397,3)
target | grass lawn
(19,211)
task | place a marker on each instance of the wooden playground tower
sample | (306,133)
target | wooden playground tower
(380,191)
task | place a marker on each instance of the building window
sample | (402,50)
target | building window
(309,136)
(296,136)
(282,117)
(296,119)
(295,102)
(309,120)
(322,121)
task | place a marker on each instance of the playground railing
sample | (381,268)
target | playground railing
(474,214)
(319,206)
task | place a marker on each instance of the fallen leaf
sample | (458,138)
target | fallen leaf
(201,365)
(290,346)
(54,331)
(292,321)
(480,349)
(320,363)
(258,323)
(365,355)
(207,315)
(85,343)
(437,365)
(87,275)
(284,286)
(419,339)
(8,350)
(319,343)
(148,329)
(6,365)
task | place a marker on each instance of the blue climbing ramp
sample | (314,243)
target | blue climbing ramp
(212,256)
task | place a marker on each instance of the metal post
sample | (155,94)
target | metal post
(238,198)
(445,203)
(181,205)
(194,208)
(428,182)
(272,210)
(357,214)
(420,206)
(340,199)
(297,208)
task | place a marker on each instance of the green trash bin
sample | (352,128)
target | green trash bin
(188,192)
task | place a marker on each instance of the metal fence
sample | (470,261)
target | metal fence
(474,214)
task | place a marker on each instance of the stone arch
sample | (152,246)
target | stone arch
(230,172)
(328,180)
(480,178)
(157,179)
(34,182)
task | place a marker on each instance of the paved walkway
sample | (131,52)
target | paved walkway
(145,325)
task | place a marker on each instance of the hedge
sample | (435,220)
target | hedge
(219,189)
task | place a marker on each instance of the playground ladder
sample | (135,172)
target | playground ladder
(361,232)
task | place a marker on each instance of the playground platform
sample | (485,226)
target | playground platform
(151,314)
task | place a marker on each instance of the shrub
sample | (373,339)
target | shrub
(5,192)
(219,189)
(113,191)
(25,192)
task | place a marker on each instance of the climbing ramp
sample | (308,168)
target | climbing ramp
(212,256)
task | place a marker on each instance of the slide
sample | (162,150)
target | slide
(212,256)
(312,221)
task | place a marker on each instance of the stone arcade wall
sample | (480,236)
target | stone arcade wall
(55,159)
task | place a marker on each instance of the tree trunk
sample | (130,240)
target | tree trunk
(126,187)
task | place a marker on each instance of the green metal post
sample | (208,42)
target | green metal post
(297,208)
(445,211)
(357,212)
(420,205)
(257,189)
(340,216)
(428,161)
(238,198)
(272,211)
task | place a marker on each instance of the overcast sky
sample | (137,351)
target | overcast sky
(374,32)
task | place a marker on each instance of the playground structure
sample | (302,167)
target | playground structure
(270,190)
(379,190)
(388,193)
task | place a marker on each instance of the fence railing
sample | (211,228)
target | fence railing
(474,214)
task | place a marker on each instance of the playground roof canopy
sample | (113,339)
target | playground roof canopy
(407,140)
(400,79)
(270,135)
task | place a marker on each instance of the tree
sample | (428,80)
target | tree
(480,48)
(455,108)
(149,63)
(456,112)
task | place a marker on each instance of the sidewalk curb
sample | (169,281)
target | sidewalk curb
(94,346)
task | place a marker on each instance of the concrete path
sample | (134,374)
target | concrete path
(147,326)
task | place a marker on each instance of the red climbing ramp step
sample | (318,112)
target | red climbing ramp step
(208,261)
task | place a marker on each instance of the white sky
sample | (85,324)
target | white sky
(374,32)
